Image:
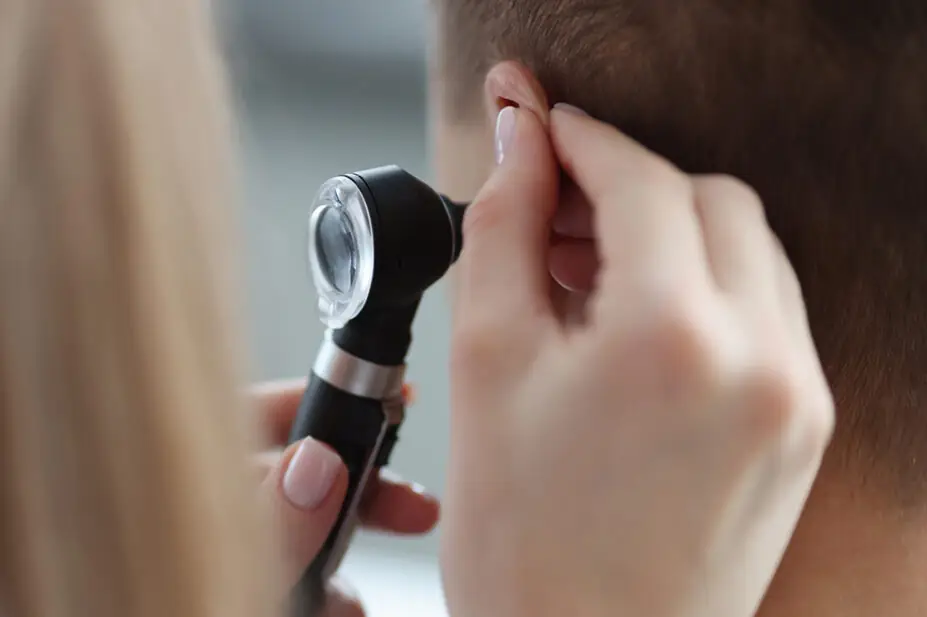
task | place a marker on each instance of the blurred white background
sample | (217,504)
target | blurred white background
(326,87)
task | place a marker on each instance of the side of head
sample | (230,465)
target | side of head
(123,482)
(820,105)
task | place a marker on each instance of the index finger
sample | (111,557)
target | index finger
(643,210)
(393,505)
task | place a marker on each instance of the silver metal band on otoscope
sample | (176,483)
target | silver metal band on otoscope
(355,375)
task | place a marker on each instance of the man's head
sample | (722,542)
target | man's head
(820,105)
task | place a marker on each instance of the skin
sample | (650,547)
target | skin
(852,553)
(390,505)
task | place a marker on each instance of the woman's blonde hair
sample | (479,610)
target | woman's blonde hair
(124,490)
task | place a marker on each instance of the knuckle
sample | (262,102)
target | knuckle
(819,423)
(771,400)
(723,188)
(680,340)
(731,186)
(658,172)
(782,408)
(789,278)
(680,344)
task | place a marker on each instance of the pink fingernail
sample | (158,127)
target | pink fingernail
(573,223)
(311,474)
(505,128)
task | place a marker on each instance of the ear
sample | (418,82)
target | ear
(510,84)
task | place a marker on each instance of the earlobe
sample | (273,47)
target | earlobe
(510,83)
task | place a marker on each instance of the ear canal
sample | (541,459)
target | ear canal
(502,102)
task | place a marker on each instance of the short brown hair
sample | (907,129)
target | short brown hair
(820,105)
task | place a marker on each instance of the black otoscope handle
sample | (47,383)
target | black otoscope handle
(362,430)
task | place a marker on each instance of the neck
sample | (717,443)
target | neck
(852,555)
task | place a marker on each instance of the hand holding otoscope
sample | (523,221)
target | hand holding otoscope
(378,239)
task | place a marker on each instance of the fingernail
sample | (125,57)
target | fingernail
(573,223)
(388,475)
(421,491)
(570,109)
(311,474)
(505,128)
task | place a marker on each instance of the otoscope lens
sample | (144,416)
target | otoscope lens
(341,250)
(337,250)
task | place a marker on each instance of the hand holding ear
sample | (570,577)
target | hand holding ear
(655,459)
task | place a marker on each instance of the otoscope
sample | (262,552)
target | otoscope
(378,239)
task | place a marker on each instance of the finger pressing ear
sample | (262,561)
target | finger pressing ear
(306,488)
(647,230)
(503,266)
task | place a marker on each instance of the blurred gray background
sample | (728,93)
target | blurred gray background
(325,87)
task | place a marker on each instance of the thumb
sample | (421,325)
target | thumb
(306,489)
(503,266)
